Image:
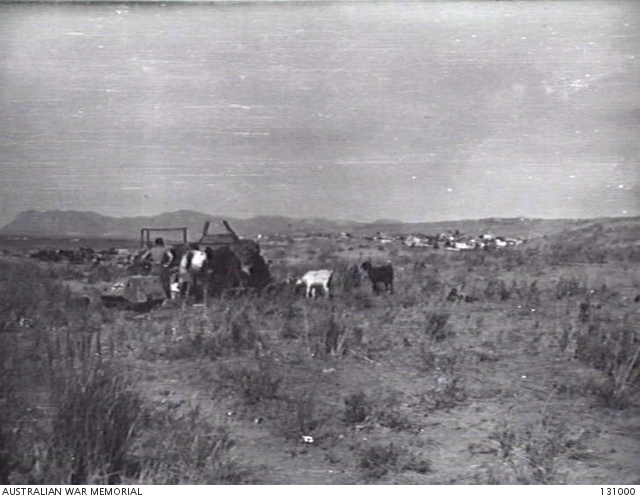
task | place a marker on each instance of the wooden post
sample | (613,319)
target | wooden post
(231,231)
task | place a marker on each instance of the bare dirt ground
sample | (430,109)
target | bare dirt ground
(531,380)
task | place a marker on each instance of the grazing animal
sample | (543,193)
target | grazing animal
(225,270)
(314,279)
(382,274)
(256,271)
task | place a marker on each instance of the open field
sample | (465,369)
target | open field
(532,380)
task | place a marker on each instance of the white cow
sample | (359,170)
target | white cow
(315,278)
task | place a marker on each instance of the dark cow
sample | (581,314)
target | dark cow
(382,274)
(225,270)
(258,270)
(212,270)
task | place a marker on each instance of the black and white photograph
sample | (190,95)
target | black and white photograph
(320,243)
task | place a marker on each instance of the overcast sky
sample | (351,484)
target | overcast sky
(412,111)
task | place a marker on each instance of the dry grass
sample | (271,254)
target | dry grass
(363,388)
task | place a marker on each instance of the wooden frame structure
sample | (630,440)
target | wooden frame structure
(145,233)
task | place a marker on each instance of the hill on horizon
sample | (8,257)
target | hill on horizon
(56,223)
(71,223)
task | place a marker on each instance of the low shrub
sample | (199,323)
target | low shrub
(257,383)
(533,450)
(306,412)
(357,407)
(436,325)
(93,428)
(568,287)
(186,449)
(450,389)
(613,349)
(378,460)
(210,334)
(387,413)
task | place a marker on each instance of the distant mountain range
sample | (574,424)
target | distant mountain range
(90,224)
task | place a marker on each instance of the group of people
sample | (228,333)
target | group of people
(223,267)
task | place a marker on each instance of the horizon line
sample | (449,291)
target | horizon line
(378,221)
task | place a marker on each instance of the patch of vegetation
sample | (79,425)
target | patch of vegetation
(337,370)
(258,383)
(568,287)
(436,325)
(378,460)
(357,408)
(450,389)
(533,451)
(614,349)
(496,289)
(93,428)
(388,414)
(186,449)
